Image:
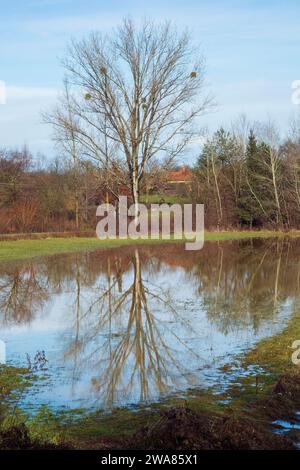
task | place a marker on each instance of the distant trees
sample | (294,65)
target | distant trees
(16,209)
(44,200)
(253,183)
(13,165)
(60,196)
(245,179)
(256,205)
(218,171)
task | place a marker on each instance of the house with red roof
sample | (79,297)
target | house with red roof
(179,181)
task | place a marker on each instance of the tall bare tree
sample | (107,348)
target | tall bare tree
(273,164)
(136,94)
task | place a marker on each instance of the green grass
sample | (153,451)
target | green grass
(168,199)
(12,380)
(13,384)
(274,354)
(23,249)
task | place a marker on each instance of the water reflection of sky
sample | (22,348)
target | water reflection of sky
(166,336)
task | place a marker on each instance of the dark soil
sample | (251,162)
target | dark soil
(284,400)
(17,438)
(182,429)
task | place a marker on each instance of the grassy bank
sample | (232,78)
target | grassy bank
(22,249)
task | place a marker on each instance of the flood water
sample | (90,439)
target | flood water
(128,326)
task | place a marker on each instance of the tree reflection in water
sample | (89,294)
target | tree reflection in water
(134,353)
(248,286)
(22,293)
(129,325)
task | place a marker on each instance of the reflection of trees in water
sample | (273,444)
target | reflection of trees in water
(22,293)
(26,287)
(122,327)
(238,288)
(133,352)
(244,287)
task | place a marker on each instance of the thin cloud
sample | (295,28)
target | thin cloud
(18,93)
(72,24)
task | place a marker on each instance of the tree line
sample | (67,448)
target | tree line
(58,195)
(44,199)
(250,177)
(132,103)
(246,177)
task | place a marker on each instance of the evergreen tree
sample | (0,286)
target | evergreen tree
(248,207)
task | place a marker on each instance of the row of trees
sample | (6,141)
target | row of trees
(246,177)
(60,195)
(250,177)
(36,199)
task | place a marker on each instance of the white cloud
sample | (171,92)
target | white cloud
(2,92)
(21,121)
(18,93)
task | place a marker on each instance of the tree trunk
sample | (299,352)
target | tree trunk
(220,215)
(76,210)
(278,217)
(135,194)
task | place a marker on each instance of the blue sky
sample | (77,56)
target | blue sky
(251,49)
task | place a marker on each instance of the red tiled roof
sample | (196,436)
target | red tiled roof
(183,174)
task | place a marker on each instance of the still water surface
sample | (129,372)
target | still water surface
(131,326)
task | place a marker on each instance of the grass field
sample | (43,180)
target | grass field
(22,249)
(168,199)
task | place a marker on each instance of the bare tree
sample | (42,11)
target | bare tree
(273,164)
(136,94)
(68,141)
